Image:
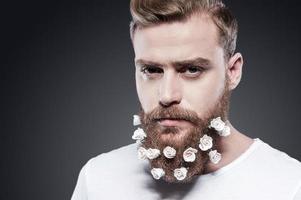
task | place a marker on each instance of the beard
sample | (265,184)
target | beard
(159,136)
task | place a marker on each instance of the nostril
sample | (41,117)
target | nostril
(168,103)
(163,104)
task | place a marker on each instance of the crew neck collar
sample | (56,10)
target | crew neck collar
(235,162)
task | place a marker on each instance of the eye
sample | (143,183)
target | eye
(151,71)
(192,71)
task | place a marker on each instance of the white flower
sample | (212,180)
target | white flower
(214,156)
(205,143)
(180,173)
(152,153)
(220,126)
(169,152)
(139,143)
(142,153)
(157,173)
(136,120)
(189,154)
(217,124)
(225,132)
(139,134)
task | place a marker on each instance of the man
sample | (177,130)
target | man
(186,69)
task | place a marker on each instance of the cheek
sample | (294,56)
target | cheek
(146,93)
(203,95)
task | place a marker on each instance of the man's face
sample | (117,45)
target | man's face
(180,72)
(179,63)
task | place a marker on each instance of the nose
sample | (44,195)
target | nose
(170,90)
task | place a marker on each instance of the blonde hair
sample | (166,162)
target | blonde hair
(147,13)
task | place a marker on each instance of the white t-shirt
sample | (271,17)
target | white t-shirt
(260,173)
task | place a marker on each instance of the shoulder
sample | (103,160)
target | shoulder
(276,166)
(265,168)
(121,162)
(287,168)
(124,154)
(108,172)
(278,159)
(126,151)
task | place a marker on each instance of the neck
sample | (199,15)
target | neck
(231,147)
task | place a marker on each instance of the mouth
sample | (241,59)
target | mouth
(172,122)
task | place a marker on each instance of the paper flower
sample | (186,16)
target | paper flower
(189,154)
(152,153)
(214,156)
(180,173)
(225,132)
(142,153)
(139,134)
(220,126)
(205,143)
(169,152)
(157,173)
(139,143)
(136,120)
(217,124)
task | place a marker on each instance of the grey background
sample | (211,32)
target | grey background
(68,90)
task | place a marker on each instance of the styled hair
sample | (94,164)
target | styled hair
(147,13)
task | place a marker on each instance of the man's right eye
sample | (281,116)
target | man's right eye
(148,70)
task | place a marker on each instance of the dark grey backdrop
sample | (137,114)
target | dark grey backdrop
(68,90)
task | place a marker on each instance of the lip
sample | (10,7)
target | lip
(171,122)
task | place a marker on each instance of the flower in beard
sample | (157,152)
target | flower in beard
(225,132)
(136,120)
(152,153)
(139,134)
(139,143)
(214,156)
(142,153)
(157,173)
(169,152)
(159,136)
(189,154)
(180,139)
(205,143)
(180,173)
(220,126)
(217,124)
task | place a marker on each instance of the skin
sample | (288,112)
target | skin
(182,64)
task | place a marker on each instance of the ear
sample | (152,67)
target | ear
(234,70)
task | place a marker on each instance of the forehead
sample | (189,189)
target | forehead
(195,37)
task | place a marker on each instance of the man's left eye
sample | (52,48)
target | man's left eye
(192,71)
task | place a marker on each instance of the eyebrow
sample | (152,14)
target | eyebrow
(195,61)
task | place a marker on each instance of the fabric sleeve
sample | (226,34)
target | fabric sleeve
(80,192)
(298,194)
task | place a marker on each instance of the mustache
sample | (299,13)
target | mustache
(173,112)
